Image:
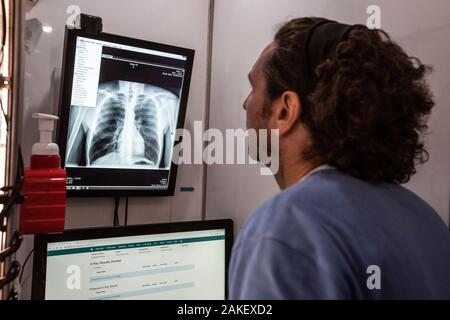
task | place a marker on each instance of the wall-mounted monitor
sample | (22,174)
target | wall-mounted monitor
(122,100)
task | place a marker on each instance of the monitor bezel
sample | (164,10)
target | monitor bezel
(41,242)
(65,103)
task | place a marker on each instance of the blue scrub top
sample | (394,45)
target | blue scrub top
(332,236)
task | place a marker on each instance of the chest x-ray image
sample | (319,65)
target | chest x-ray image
(132,126)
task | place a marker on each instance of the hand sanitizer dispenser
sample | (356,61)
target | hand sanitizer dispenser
(44,185)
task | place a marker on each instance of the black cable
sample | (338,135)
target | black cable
(14,193)
(116,222)
(2,53)
(20,170)
(3,31)
(126,211)
(4,113)
(24,264)
(15,196)
(116,211)
(3,24)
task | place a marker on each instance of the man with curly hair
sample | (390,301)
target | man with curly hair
(350,106)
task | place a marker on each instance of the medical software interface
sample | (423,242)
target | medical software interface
(175,266)
(123,116)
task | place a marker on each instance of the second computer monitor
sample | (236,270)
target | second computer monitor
(167,261)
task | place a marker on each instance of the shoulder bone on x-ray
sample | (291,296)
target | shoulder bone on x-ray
(132,125)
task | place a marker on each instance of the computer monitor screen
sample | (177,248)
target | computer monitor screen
(189,262)
(122,101)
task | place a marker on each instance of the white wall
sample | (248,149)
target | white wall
(175,22)
(242,28)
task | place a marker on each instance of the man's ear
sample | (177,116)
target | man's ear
(286,112)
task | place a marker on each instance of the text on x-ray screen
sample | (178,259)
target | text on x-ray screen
(130,119)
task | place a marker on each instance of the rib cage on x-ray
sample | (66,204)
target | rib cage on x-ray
(131,124)
(146,121)
(109,126)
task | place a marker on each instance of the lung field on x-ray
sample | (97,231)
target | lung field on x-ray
(131,125)
(146,121)
(110,123)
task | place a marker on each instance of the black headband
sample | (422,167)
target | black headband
(321,40)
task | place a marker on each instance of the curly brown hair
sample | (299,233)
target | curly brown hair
(369,105)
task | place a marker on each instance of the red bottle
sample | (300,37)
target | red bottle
(44,185)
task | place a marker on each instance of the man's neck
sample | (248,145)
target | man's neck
(290,173)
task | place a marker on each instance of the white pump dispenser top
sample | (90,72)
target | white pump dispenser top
(46,126)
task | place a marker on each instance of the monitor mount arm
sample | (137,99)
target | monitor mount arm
(90,24)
